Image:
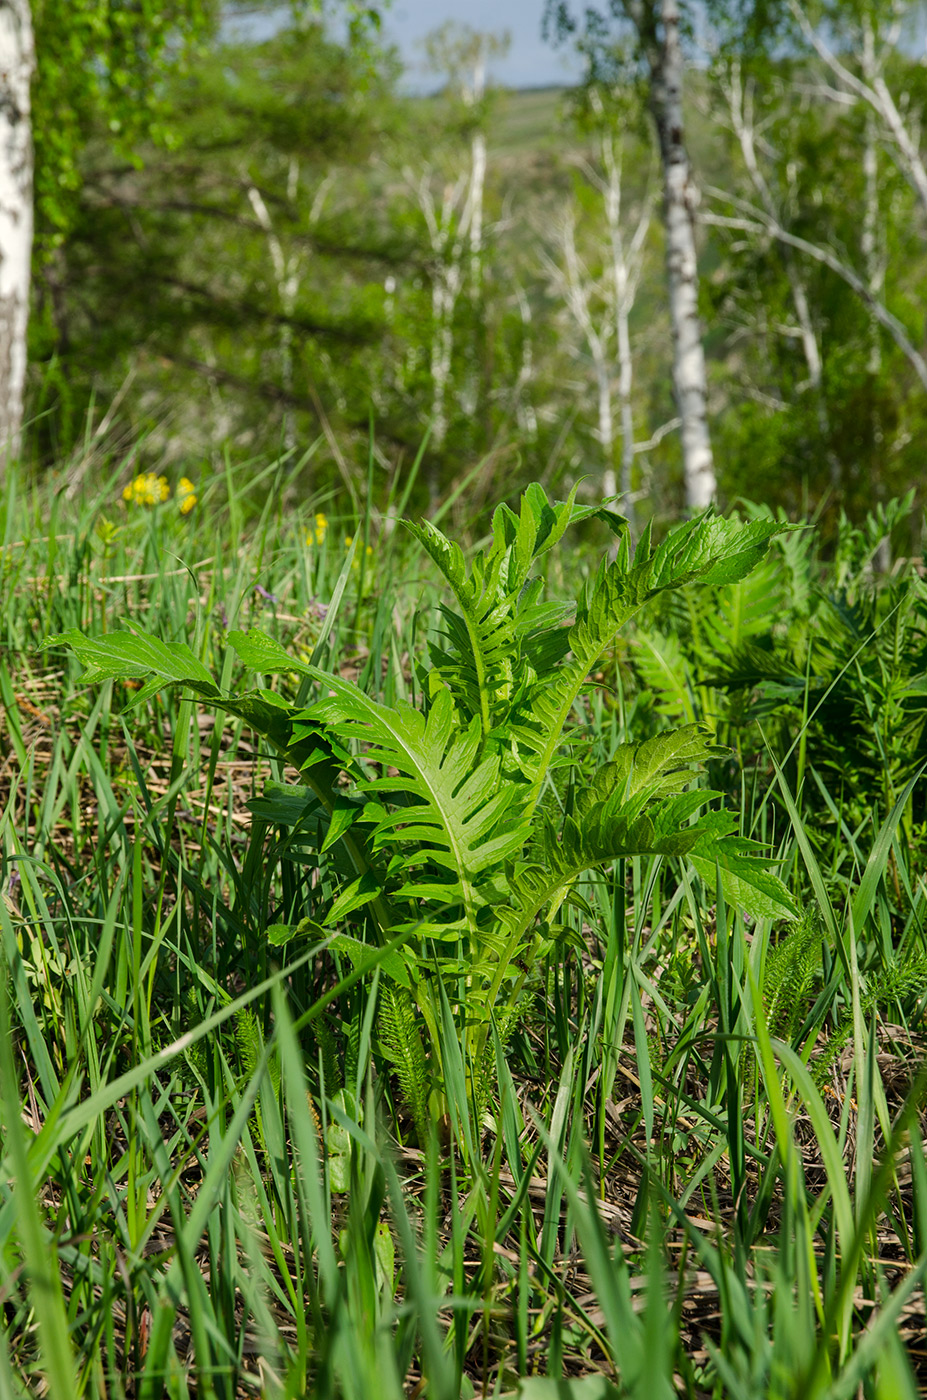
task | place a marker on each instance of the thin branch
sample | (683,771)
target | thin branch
(759,224)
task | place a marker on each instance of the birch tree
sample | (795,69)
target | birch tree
(454,218)
(626,266)
(739,97)
(818,139)
(582,297)
(754,136)
(462,55)
(287,265)
(17,58)
(890,122)
(754,220)
(656,28)
(448,218)
(95,67)
(877,35)
(65,66)
(600,303)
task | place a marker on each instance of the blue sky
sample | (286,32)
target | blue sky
(530,61)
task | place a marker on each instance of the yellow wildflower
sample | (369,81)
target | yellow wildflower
(186,495)
(148,489)
(316,534)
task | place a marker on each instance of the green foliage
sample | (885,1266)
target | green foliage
(679,641)
(441,829)
(174,154)
(161,288)
(849,670)
(100,67)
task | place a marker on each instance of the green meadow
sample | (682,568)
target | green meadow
(484,957)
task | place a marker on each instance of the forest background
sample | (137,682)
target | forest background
(289,251)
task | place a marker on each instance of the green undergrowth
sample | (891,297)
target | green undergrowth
(426,972)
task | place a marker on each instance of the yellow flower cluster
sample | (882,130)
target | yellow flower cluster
(147,490)
(186,495)
(316,534)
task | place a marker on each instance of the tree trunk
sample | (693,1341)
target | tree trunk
(17,56)
(625,381)
(626,268)
(679,200)
(875,268)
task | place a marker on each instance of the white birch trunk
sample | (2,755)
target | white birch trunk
(17,58)
(287,275)
(627,265)
(740,108)
(875,91)
(577,288)
(473,94)
(477,185)
(625,380)
(679,201)
(606,432)
(525,415)
(869,241)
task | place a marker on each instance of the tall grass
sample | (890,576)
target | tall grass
(701,1172)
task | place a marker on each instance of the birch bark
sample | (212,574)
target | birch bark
(869,242)
(287,275)
(627,265)
(680,197)
(473,94)
(448,229)
(17,59)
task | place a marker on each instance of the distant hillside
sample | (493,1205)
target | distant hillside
(527,119)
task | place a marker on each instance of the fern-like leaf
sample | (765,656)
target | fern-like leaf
(497,613)
(450,809)
(790,970)
(401,1043)
(707,550)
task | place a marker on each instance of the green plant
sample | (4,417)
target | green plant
(843,687)
(469,818)
(680,641)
